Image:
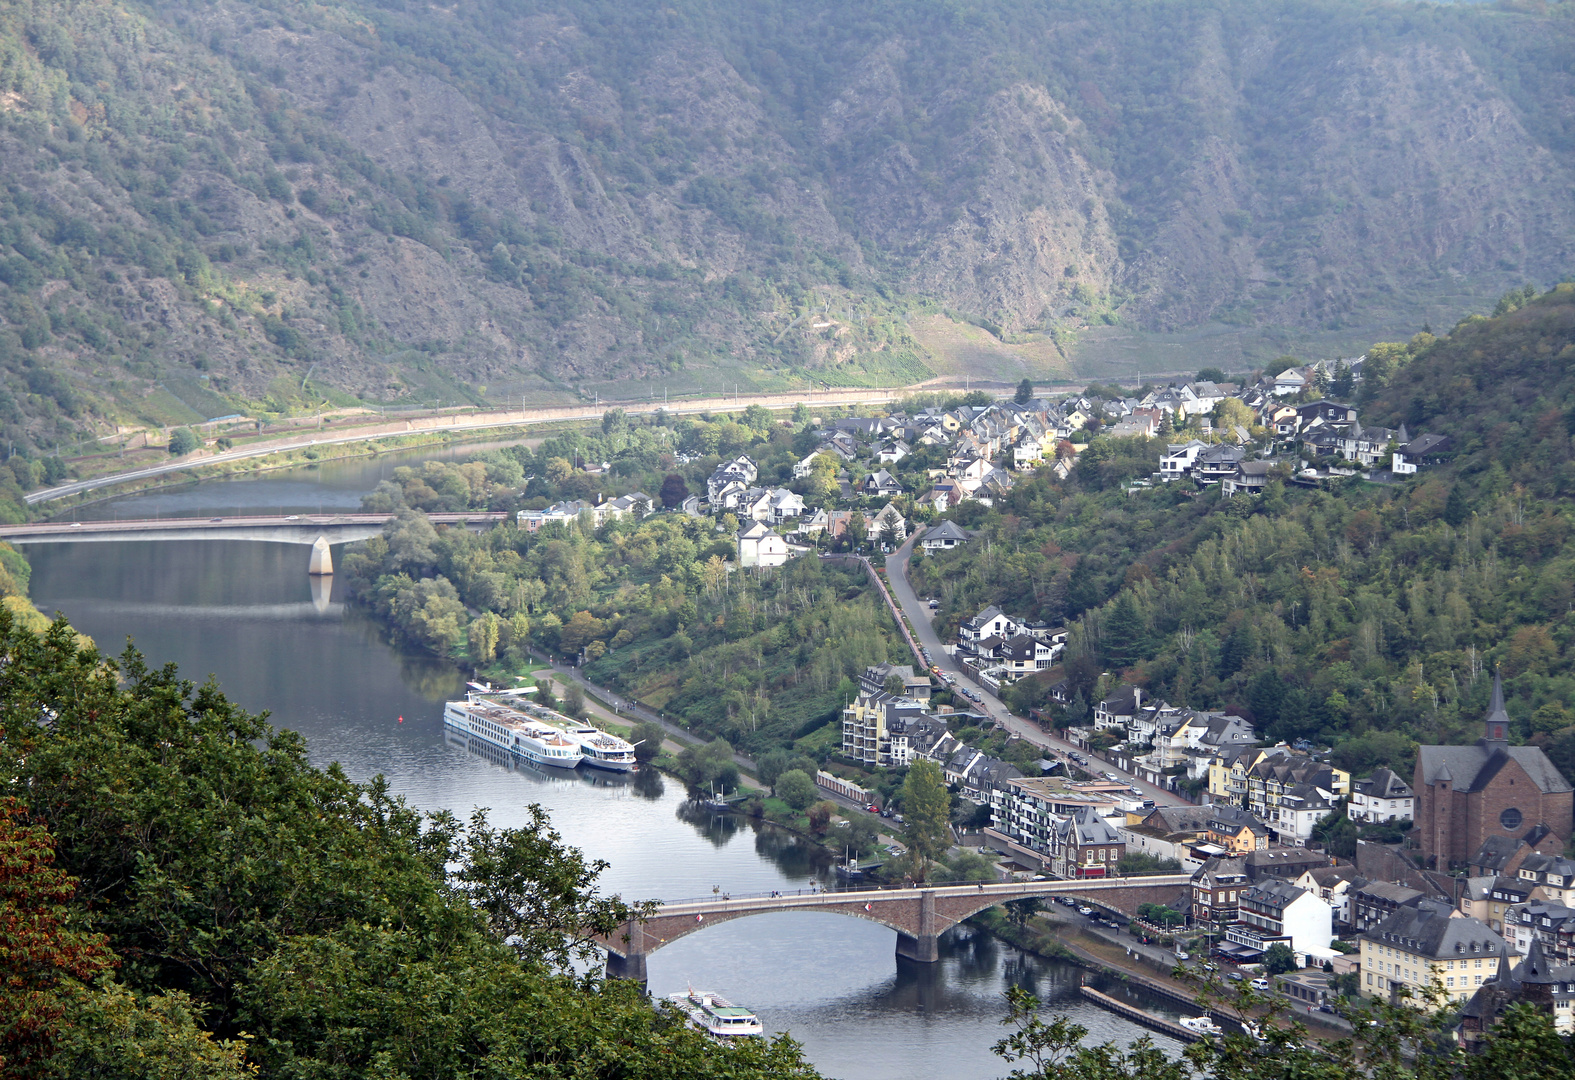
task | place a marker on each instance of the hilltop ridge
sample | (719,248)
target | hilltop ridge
(262,205)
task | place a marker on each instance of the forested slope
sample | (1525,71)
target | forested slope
(206,207)
(1370,616)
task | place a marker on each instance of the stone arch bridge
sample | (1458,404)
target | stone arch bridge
(919,915)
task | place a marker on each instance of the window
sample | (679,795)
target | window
(1510,818)
(1449,981)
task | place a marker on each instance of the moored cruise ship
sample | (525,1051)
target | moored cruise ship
(506,727)
(600,750)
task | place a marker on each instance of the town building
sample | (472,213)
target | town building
(759,545)
(1215,893)
(1084,845)
(915,685)
(1425,944)
(1464,794)
(866,723)
(944,537)
(1275,911)
(1381,797)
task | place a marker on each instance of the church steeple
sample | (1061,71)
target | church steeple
(1496,725)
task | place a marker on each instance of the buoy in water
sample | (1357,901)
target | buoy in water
(401,719)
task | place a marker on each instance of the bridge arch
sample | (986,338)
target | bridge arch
(919,915)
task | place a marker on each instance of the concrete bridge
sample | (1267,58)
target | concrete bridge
(317,531)
(919,915)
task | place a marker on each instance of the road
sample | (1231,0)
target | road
(918,613)
(472,422)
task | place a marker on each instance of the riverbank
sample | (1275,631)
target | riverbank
(1151,969)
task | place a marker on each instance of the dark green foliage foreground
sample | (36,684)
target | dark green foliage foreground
(237,909)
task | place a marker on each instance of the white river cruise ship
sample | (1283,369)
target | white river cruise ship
(485,715)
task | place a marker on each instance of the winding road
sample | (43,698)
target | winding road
(918,613)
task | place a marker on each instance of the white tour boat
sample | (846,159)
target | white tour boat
(506,727)
(600,749)
(1200,1025)
(718,1016)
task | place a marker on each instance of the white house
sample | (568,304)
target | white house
(759,545)
(1275,910)
(991,622)
(944,537)
(1382,797)
(892,452)
(1290,381)
(1177,460)
(786,505)
(889,521)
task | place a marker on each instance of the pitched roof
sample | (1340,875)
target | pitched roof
(1429,929)
(1384,784)
(947,530)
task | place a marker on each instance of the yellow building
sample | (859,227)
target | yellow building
(1421,946)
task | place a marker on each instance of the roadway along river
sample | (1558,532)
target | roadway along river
(243,612)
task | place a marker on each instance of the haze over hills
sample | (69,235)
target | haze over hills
(210,207)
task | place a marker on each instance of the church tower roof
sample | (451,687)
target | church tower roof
(1496,726)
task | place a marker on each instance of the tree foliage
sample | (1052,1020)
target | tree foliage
(236,889)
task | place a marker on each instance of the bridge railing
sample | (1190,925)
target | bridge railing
(1068,884)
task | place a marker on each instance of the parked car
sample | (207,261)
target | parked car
(1111,776)
(1260,984)
(1235,976)
(934,604)
(1085,910)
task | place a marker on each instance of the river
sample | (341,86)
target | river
(246,614)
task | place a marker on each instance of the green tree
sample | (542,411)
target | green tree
(797,789)
(1211,374)
(1021,912)
(1456,510)
(1278,959)
(183,440)
(483,638)
(927,813)
(1123,634)
(647,738)
(1025,392)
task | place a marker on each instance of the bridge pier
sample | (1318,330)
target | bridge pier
(925,945)
(322,564)
(630,963)
(627,967)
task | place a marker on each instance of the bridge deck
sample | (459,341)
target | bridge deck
(278,528)
(1012,890)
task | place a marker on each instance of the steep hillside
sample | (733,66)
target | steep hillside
(1369,617)
(211,206)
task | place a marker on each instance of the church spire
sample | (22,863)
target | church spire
(1497,722)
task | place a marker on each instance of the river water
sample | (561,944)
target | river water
(246,613)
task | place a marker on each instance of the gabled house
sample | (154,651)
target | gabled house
(889,523)
(1381,797)
(1084,845)
(991,622)
(1024,655)
(880,485)
(758,545)
(1120,708)
(892,452)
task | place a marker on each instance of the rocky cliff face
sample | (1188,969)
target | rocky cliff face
(418,202)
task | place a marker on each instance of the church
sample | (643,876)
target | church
(1467,794)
